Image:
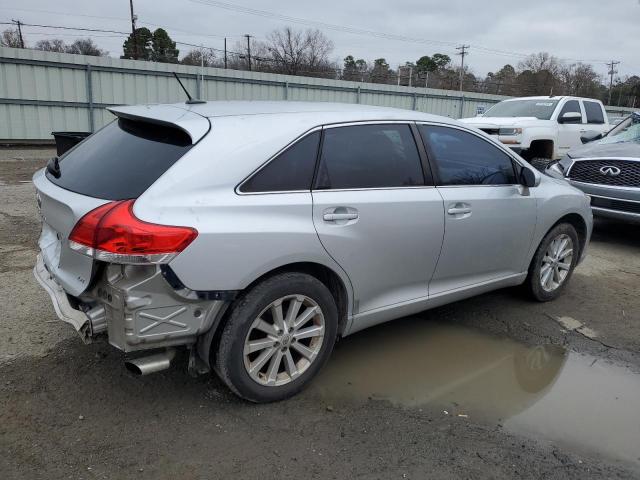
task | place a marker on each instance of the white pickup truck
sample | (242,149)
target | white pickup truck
(542,129)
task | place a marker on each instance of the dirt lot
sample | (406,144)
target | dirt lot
(492,387)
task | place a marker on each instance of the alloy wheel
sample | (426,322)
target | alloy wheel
(284,340)
(556,263)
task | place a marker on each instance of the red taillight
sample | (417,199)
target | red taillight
(112,233)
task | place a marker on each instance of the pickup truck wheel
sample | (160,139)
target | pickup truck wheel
(553,263)
(540,163)
(277,337)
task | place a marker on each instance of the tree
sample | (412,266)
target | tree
(199,57)
(295,52)
(425,64)
(354,69)
(163,49)
(82,46)
(55,45)
(85,46)
(380,73)
(142,41)
(441,60)
(10,38)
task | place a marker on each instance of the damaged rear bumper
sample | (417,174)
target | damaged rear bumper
(136,307)
(65,311)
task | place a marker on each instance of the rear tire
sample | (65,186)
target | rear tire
(553,263)
(269,350)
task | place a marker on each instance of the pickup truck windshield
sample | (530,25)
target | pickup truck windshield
(541,109)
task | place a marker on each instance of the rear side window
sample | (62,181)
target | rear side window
(462,158)
(122,160)
(594,112)
(369,156)
(292,170)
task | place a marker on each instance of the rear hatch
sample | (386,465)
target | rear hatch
(118,162)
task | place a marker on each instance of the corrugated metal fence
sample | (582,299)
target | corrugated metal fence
(43,91)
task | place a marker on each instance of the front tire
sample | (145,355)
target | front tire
(553,263)
(277,337)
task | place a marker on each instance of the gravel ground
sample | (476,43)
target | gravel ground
(69,410)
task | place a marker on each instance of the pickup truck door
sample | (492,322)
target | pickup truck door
(569,133)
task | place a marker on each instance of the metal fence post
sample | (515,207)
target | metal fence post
(358,94)
(90,97)
(286,90)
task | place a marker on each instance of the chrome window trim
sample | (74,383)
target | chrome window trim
(238,187)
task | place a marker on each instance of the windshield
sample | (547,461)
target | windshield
(541,109)
(626,131)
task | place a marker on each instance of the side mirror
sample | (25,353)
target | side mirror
(570,117)
(590,136)
(527,177)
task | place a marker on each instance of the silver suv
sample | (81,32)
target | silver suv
(256,233)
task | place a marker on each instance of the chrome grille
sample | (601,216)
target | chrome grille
(588,171)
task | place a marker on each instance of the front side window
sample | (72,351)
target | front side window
(572,106)
(594,112)
(462,158)
(369,156)
(292,170)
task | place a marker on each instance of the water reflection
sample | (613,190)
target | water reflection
(415,362)
(541,391)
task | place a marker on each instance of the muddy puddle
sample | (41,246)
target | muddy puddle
(542,391)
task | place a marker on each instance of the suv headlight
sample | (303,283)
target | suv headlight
(509,131)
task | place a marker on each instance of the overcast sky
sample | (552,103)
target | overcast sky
(499,31)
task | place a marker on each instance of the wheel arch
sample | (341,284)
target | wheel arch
(339,286)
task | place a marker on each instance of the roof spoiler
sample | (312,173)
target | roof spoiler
(194,125)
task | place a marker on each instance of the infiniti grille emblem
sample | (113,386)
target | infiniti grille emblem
(610,171)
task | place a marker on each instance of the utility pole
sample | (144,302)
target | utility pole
(399,67)
(612,72)
(463,51)
(225,52)
(248,49)
(19,24)
(410,74)
(136,53)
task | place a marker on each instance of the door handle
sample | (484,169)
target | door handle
(459,210)
(332,217)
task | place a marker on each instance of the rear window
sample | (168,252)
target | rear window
(122,160)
